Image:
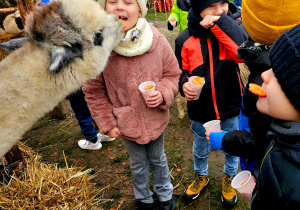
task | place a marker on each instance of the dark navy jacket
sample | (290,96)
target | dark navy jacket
(278,185)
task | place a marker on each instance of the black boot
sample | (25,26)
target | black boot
(145,206)
(168,205)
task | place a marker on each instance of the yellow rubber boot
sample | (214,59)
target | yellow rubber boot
(228,197)
(196,187)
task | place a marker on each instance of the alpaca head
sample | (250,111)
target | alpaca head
(67,29)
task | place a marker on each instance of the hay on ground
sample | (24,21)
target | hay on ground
(44,186)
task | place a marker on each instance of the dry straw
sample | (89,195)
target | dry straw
(44,186)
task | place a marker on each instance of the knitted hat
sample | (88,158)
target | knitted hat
(142,4)
(285,61)
(199,5)
(266,20)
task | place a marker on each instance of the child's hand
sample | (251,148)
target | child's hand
(114,133)
(207,136)
(207,133)
(248,195)
(209,20)
(155,99)
(188,91)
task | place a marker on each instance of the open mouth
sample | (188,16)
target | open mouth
(123,18)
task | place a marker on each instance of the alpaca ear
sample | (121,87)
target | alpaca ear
(61,56)
(13,44)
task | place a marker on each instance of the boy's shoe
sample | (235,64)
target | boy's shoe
(168,205)
(228,197)
(104,138)
(196,187)
(145,206)
(84,144)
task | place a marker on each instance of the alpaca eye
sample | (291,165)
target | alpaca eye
(98,39)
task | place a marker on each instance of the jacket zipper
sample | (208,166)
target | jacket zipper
(260,170)
(212,77)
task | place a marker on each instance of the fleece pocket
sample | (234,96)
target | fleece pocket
(128,121)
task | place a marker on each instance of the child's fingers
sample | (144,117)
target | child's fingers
(209,21)
(207,133)
(153,102)
(155,94)
(155,99)
(187,87)
(190,97)
(190,93)
(207,136)
(119,133)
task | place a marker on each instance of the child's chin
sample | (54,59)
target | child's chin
(260,105)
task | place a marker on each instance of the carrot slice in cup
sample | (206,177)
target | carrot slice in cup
(256,89)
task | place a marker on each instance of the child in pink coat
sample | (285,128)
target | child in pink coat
(119,109)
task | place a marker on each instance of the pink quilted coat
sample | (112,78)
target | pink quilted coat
(115,100)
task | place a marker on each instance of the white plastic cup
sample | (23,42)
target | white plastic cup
(173,21)
(147,93)
(213,126)
(244,183)
(197,88)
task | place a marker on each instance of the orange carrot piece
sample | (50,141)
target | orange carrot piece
(198,81)
(256,89)
(124,23)
(243,182)
(148,87)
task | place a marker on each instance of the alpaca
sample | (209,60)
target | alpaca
(68,42)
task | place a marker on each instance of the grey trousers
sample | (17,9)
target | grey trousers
(141,156)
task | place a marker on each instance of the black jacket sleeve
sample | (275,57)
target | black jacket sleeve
(241,144)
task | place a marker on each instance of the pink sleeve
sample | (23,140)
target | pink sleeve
(99,104)
(168,84)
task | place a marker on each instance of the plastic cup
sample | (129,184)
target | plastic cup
(173,21)
(213,126)
(244,183)
(147,93)
(197,88)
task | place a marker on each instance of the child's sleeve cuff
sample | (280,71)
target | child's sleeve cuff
(216,140)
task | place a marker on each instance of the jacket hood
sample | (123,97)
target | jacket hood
(194,19)
(291,129)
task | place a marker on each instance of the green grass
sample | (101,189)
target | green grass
(175,154)
(121,157)
(160,15)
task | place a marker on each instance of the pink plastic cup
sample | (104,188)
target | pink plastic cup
(197,88)
(213,126)
(147,93)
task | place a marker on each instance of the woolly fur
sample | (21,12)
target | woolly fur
(27,90)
